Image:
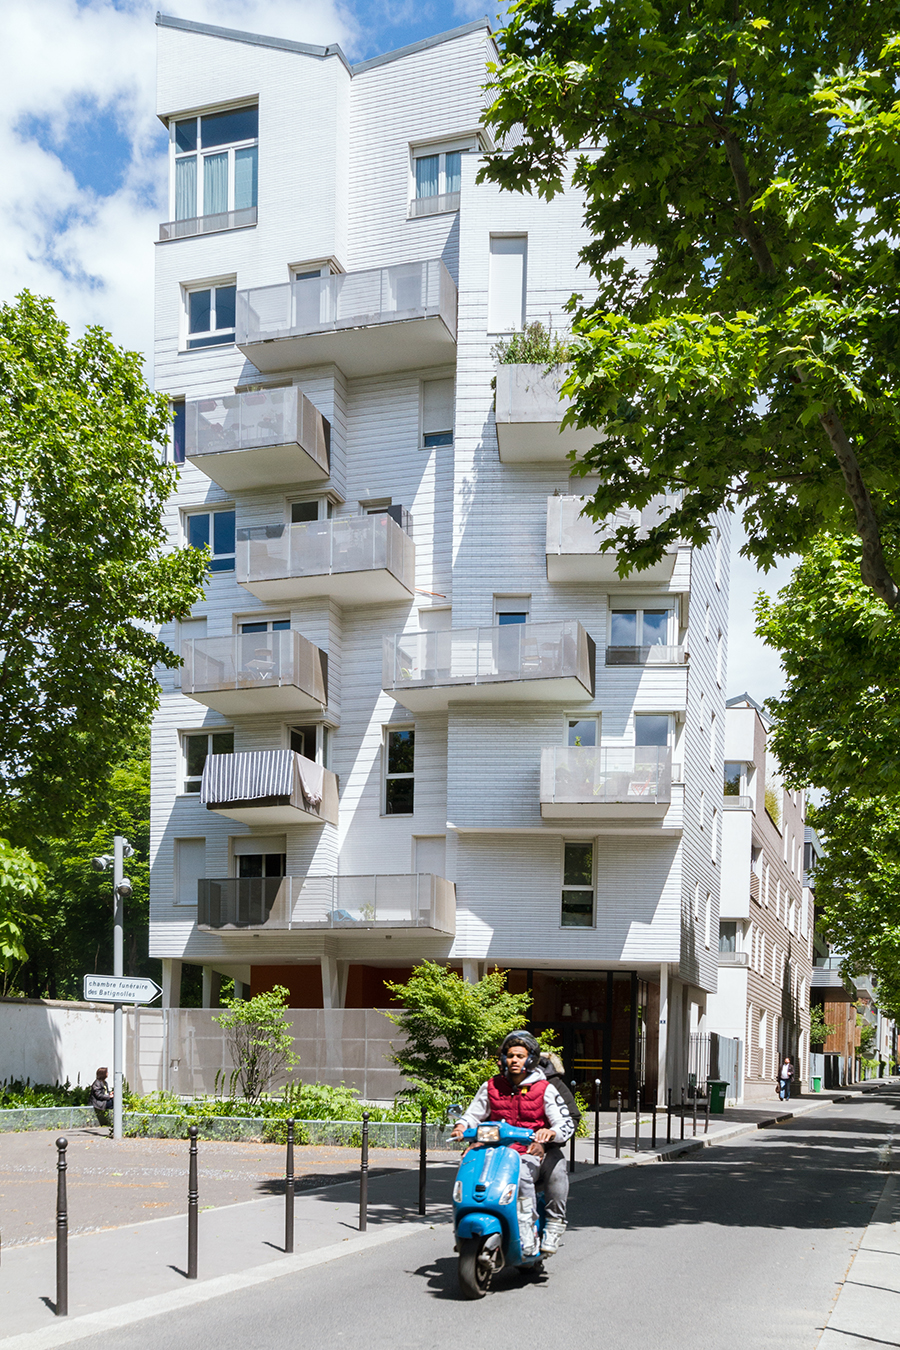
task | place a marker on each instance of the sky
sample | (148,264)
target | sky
(84,188)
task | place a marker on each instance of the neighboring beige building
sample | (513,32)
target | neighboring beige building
(765,918)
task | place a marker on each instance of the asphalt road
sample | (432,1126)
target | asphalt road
(740,1246)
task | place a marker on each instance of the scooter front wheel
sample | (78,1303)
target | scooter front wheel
(474,1270)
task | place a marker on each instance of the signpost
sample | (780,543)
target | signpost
(119,989)
(122,890)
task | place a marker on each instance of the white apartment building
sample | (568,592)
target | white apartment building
(420,714)
(766,911)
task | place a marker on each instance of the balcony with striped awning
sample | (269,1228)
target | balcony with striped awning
(270,787)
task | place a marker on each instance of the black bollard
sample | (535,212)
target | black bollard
(669,1116)
(289,1190)
(653,1118)
(364,1175)
(695,1113)
(62,1232)
(572,1140)
(706,1123)
(682,1110)
(637,1122)
(596,1122)
(618,1124)
(193,1206)
(423,1158)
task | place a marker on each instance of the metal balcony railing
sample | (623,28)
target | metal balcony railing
(433,206)
(257,418)
(213,224)
(349,903)
(601,775)
(255,661)
(479,656)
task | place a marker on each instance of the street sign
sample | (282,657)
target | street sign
(119,989)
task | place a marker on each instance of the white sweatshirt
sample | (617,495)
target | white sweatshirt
(555,1109)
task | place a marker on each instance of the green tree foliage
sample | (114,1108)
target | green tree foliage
(534,346)
(85,578)
(260,1040)
(454,1029)
(749,362)
(21,891)
(819,1029)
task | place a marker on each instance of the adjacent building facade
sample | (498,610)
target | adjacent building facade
(420,715)
(766,911)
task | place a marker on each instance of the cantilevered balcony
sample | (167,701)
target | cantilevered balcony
(340,905)
(518,663)
(367,323)
(605,783)
(528,416)
(269,787)
(574,542)
(256,673)
(355,560)
(258,439)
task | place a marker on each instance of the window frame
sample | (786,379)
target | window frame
(574,717)
(199,154)
(639,611)
(447,433)
(183,738)
(564,887)
(404,776)
(189,514)
(443,199)
(176,868)
(196,342)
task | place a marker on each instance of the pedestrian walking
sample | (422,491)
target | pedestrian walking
(785,1074)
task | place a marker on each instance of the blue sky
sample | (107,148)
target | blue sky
(84,180)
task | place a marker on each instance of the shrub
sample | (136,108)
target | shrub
(260,1040)
(534,346)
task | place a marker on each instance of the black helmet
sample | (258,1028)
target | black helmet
(523,1038)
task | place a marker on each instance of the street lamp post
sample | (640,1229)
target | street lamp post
(122,890)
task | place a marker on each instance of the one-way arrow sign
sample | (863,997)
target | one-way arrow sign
(119,989)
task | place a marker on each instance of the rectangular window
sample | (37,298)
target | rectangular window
(511,609)
(399,777)
(713,837)
(507,284)
(179,423)
(639,628)
(707,926)
(210,316)
(733,779)
(712,740)
(437,179)
(727,935)
(213,530)
(582,731)
(197,747)
(578,886)
(266,626)
(651,729)
(216,163)
(190,867)
(437,412)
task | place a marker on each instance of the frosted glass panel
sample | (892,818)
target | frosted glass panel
(506,300)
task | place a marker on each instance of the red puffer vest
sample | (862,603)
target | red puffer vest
(522,1106)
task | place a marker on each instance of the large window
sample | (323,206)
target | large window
(213,530)
(437,412)
(578,886)
(399,777)
(639,628)
(210,315)
(197,747)
(216,162)
(507,284)
(651,729)
(437,174)
(190,867)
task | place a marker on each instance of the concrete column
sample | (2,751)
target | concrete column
(171,983)
(472,971)
(212,982)
(334,982)
(663,1031)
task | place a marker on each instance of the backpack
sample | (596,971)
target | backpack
(562,1087)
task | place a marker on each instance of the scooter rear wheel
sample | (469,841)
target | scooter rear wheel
(474,1270)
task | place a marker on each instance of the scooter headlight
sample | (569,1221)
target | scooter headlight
(457,1191)
(508,1195)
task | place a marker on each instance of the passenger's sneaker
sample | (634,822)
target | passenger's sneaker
(551,1238)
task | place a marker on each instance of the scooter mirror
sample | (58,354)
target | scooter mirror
(454,1110)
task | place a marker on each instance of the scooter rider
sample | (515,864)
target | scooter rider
(521,1095)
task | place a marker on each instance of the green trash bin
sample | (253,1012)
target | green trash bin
(816,1083)
(716,1089)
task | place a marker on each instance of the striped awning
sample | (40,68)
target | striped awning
(249,777)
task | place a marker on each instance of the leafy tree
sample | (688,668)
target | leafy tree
(260,1040)
(819,1029)
(748,360)
(21,890)
(453,1030)
(85,578)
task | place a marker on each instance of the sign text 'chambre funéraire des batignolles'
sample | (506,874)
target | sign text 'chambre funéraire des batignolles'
(119,989)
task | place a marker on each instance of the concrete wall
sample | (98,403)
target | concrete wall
(48,1042)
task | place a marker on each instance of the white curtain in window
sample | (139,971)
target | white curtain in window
(186,188)
(245,173)
(427,168)
(437,405)
(452,171)
(215,184)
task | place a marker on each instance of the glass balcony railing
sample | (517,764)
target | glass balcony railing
(658,655)
(348,903)
(732,802)
(574,542)
(255,672)
(600,776)
(354,558)
(287,434)
(212,224)
(516,659)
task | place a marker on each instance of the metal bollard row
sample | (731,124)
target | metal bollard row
(364,1175)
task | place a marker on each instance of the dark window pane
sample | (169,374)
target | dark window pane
(577,909)
(401,751)
(727,935)
(399,797)
(226,299)
(579,865)
(192,787)
(656,628)
(238,124)
(221,564)
(199,311)
(433,438)
(427,168)
(623,628)
(223,743)
(178,431)
(504,619)
(303,740)
(186,135)
(651,730)
(250,865)
(195,748)
(583,732)
(253,628)
(452,166)
(223,532)
(732,786)
(281,626)
(214,340)
(304,511)
(274,864)
(198,531)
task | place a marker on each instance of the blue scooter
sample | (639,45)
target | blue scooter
(485,1210)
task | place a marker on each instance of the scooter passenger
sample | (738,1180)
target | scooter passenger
(521,1095)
